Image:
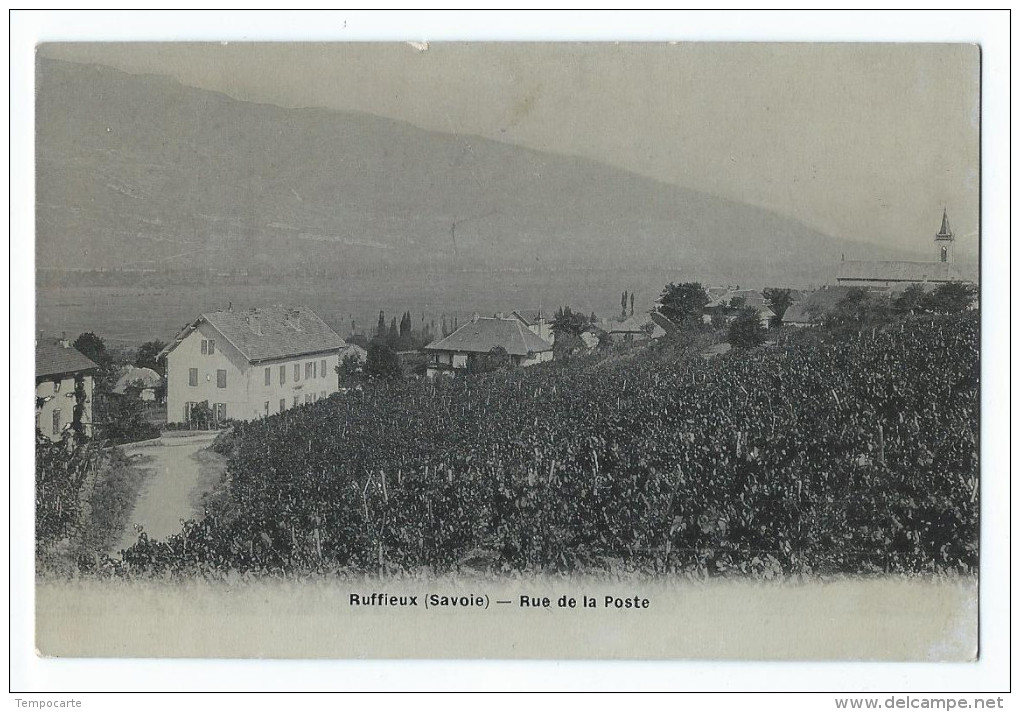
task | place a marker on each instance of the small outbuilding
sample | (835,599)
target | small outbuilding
(144,381)
(483,336)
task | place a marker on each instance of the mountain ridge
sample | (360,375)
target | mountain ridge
(140,170)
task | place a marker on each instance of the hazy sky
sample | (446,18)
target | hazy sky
(860,141)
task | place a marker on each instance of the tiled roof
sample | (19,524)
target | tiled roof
(751,298)
(818,303)
(630,325)
(663,323)
(353,350)
(485,334)
(269,332)
(132,375)
(900,271)
(799,313)
(636,325)
(52,359)
(529,316)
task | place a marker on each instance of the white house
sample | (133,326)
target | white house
(250,364)
(479,337)
(58,368)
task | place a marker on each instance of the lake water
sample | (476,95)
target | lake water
(129,316)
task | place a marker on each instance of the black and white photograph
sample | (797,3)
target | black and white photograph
(508,350)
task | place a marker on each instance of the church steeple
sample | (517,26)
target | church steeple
(944,239)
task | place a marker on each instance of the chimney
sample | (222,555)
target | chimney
(63,340)
(252,320)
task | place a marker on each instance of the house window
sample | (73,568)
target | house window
(323,368)
(269,376)
(56,386)
(221,378)
(38,418)
(315,370)
(283,404)
(297,401)
(212,347)
(308,370)
(283,375)
(297,372)
(266,407)
(56,421)
(192,376)
(205,346)
(308,398)
(322,394)
(220,412)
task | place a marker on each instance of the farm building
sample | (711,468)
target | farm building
(145,380)
(721,301)
(353,351)
(59,367)
(765,315)
(536,322)
(725,303)
(635,329)
(590,339)
(817,304)
(800,315)
(668,327)
(250,364)
(480,337)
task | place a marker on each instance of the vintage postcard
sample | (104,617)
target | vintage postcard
(508,350)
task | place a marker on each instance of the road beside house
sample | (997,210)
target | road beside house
(178,473)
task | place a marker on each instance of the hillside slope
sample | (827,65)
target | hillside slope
(141,171)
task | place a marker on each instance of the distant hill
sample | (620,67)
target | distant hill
(140,171)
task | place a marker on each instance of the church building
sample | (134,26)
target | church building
(902,273)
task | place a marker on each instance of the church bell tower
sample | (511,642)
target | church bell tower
(944,240)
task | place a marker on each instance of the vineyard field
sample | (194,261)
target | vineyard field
(832,454)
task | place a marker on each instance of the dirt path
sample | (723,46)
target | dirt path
(178,473)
